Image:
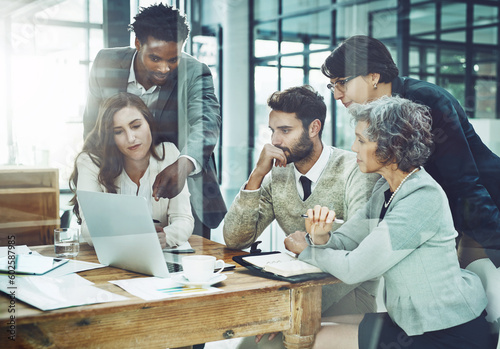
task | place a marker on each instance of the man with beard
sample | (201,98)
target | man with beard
(295,173)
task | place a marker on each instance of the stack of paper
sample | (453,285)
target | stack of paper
(48,293)
(151,288)
(58,288)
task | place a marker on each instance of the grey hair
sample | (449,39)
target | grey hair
(401,128)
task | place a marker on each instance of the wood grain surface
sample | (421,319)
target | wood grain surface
(248,305)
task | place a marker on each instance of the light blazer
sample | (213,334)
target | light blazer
(187,114)
(413,247)
(174,214)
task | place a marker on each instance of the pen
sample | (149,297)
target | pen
(338,221)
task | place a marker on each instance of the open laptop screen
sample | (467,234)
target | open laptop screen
(123,232)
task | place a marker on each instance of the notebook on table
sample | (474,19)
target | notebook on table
(280,266)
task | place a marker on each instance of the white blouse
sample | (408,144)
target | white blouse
(127,187)
(174,214)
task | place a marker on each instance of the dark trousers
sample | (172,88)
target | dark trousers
(378,331)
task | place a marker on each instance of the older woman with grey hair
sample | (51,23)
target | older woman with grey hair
(405,233)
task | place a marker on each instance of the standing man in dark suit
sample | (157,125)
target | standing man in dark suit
(179,91)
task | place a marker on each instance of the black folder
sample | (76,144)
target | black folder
(260,272)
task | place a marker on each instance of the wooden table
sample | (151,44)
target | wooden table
(248,305)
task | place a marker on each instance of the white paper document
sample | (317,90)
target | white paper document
(19,249)
(48,293)
(73,266)
(182,248)
(151,288)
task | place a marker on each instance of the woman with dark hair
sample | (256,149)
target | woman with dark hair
(119,157)
(361,70)
(404,233)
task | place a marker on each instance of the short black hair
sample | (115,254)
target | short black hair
(304,101)
(162,22)
(360,55)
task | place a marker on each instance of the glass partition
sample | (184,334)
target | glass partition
(49,61)
(438,47)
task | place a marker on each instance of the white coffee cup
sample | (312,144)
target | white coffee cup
(200,268)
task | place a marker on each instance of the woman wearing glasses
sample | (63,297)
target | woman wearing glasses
(361,70)
(404,233)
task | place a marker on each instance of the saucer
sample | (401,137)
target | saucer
(180,278)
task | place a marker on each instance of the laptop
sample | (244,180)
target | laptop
(124,234)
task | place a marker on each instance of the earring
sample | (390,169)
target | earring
(375,86)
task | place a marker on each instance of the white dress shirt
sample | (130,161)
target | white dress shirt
(314,173)
(150,98)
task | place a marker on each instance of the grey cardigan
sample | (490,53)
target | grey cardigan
(413,247)
(341,186)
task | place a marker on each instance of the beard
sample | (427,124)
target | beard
(299,151)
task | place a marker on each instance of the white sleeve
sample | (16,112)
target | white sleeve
(88,173)
(178,212)
(180,220)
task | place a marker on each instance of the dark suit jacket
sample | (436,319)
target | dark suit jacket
(187,114)
(461,163)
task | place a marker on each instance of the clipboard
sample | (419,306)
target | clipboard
(260,272)
(30,264)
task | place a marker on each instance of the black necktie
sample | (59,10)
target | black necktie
(306,185)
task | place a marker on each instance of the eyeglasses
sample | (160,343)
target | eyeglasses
(340,85)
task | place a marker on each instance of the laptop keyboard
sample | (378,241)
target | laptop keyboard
(174,267)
